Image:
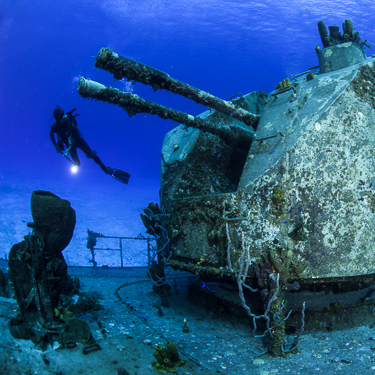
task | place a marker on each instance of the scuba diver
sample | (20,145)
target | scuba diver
(69,138)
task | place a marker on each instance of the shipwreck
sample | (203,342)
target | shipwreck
(274,192)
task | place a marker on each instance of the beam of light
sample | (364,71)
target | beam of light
(74,169)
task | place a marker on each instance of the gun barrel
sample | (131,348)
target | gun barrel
(123,67)
(233,135)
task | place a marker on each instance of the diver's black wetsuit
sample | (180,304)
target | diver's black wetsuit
(68,135)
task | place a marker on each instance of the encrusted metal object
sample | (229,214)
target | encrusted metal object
(311,189)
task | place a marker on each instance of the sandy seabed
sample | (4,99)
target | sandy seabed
(216,343)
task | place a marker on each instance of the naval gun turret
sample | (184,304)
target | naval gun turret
(301,206)
(283,204)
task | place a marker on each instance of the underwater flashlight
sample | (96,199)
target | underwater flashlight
(74,169)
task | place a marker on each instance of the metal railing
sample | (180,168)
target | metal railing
(92,241)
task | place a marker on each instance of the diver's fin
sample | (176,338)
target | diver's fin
(120,175)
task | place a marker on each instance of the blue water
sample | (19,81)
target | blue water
(223,47)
